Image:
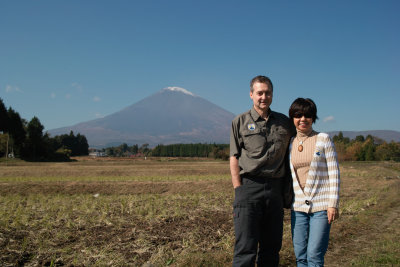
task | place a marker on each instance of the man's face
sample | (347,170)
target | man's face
(261,96)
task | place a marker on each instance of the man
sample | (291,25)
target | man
(258,162)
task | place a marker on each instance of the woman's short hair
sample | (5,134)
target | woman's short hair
(303,106)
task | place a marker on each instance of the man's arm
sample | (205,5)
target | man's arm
(235,171)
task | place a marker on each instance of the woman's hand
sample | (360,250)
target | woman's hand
(333,214)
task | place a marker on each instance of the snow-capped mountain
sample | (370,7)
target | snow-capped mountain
(172,115)
(178,89)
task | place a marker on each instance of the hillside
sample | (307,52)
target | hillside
(172,115)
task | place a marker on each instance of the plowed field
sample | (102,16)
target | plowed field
(171,212)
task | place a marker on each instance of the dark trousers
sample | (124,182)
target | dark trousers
(258,221)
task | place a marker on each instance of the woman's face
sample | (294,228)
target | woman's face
(303,124)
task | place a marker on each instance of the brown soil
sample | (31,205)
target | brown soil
(138,239)
(109,188)
(352,237)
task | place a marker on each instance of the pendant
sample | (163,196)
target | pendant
(300,148)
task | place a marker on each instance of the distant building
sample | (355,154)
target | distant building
(97,154)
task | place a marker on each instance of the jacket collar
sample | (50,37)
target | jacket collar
(254,114)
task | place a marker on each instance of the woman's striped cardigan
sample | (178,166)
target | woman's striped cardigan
(322,187)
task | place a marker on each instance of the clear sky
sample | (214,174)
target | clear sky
(72,61)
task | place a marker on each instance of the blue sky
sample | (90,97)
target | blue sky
(72,61)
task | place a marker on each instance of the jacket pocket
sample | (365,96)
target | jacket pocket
(254,141)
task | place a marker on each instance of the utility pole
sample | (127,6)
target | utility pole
(8,138)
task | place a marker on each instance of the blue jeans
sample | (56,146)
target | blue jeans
(310,235)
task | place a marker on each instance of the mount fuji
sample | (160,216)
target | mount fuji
(172,115)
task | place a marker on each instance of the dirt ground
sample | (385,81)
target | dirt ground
(356,237)
(110,188)
(46,223)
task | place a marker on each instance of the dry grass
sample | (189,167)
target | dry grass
(170,212)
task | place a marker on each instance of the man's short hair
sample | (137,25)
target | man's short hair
(261,79)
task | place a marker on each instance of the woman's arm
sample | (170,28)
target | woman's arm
(334,179)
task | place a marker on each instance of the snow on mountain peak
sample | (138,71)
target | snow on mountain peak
(179,89)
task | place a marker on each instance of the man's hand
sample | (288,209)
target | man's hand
(235,171)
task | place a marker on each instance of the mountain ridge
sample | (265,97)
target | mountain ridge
(171,115)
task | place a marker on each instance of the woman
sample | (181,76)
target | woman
(315,172)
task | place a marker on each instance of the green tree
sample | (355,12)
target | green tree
(34,147)
(369,137)
(3,117)
(4,138)
(16,130)
(110,151)
(360,138)
(77,145)
(388,151)
(340,138)
(144,149)
(369,150)
(83,145)
(124,148)
(135,149)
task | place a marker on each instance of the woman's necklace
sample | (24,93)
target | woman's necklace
(300,145)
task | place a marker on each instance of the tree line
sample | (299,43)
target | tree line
(360,149)
(365,148)
(124,150)
(220,151)
(26,140)
(217,151)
